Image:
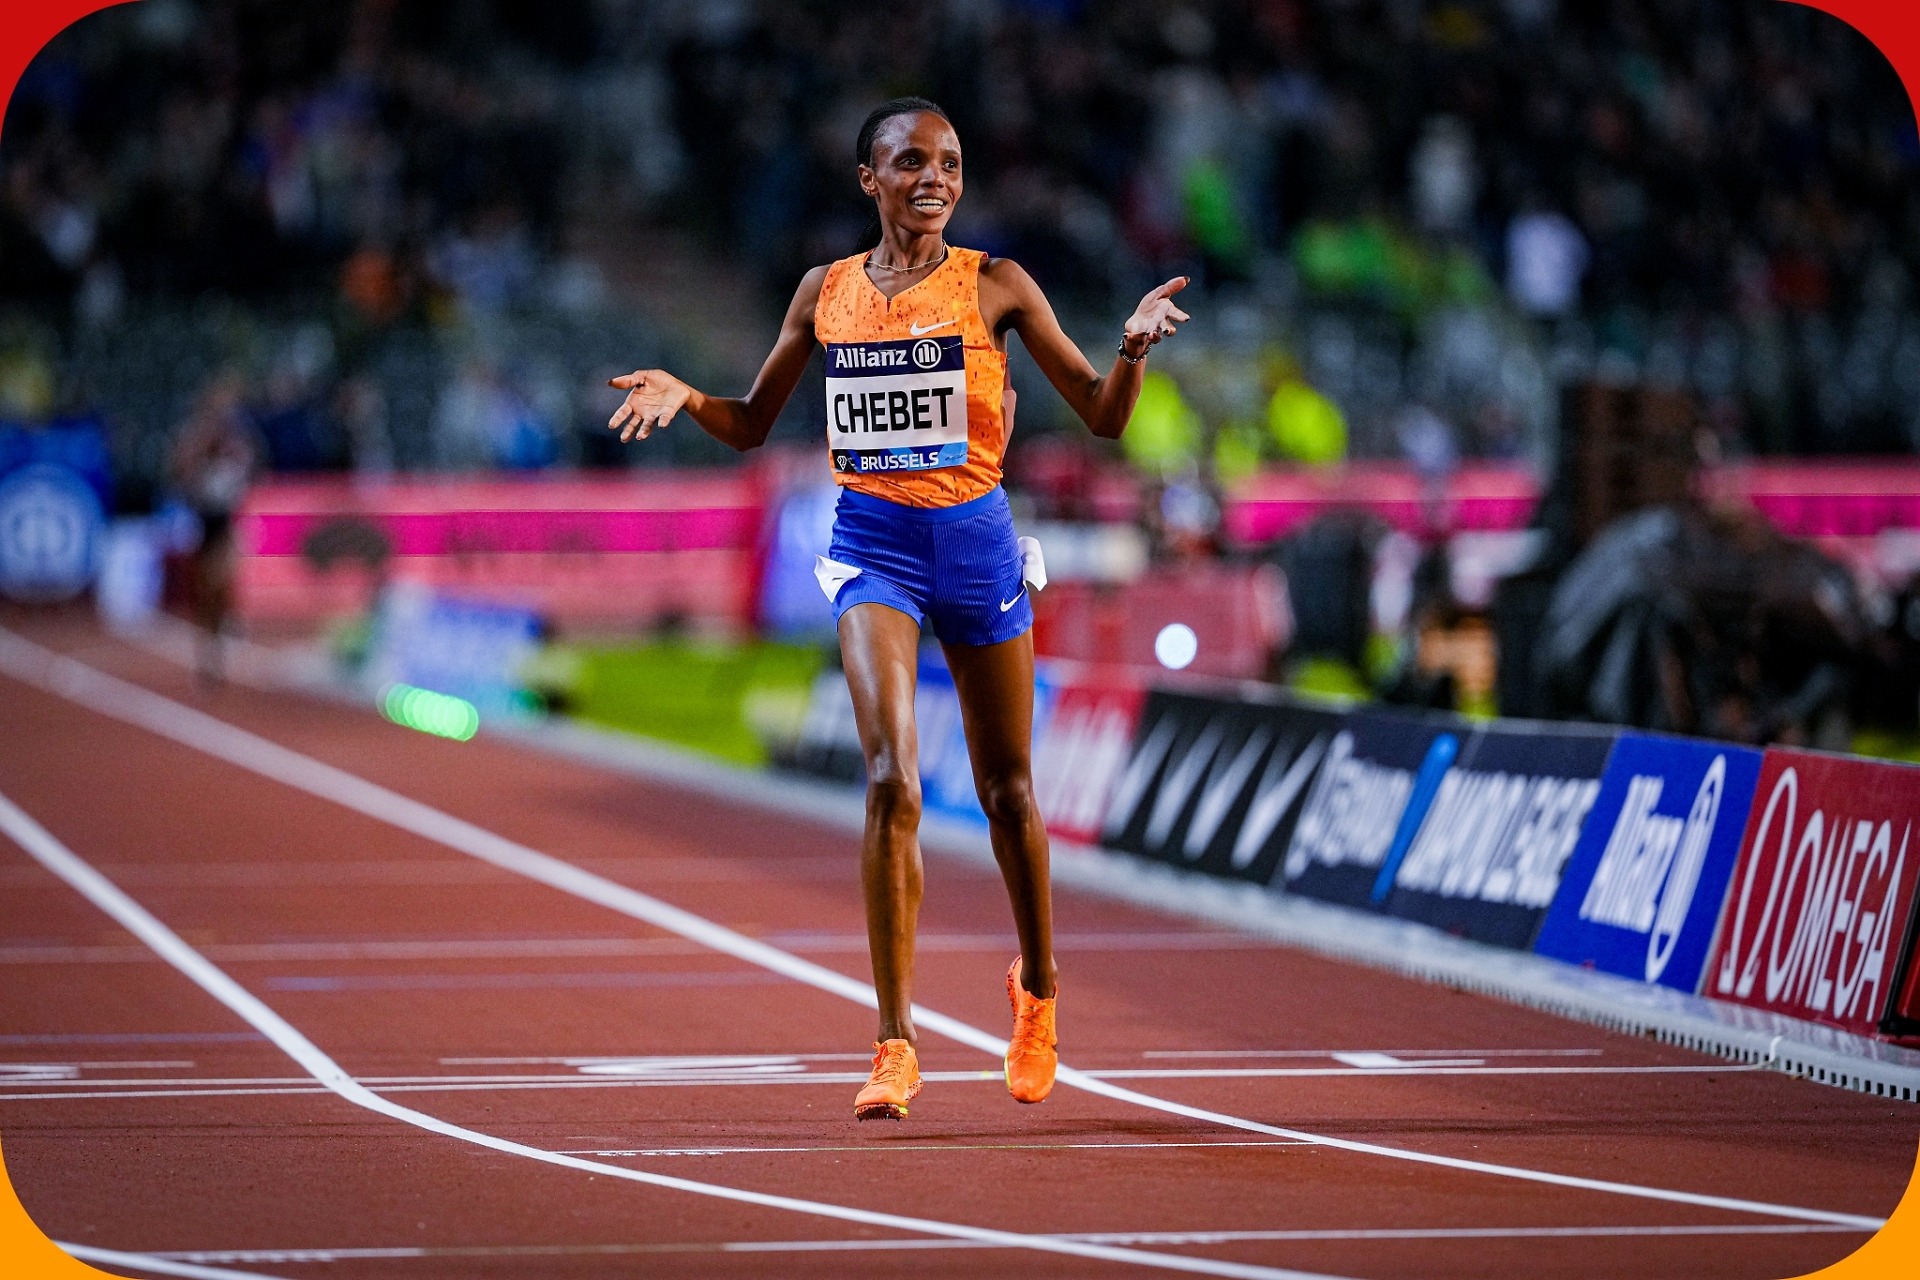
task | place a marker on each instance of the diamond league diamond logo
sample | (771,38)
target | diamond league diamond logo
(49,526)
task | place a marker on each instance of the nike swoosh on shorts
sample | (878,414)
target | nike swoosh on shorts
(1008,604)
(917,330)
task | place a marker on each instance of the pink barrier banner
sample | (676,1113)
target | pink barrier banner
(1822,499)
(682,512)
(1273,503)
(595,551)
(1817,913)
(1807,499)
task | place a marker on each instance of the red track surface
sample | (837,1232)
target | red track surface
(470,993)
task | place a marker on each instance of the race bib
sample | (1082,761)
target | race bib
(897,406)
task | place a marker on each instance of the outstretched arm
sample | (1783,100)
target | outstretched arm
(1103,401)
(654,396)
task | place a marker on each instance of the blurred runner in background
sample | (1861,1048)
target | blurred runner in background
(212,463)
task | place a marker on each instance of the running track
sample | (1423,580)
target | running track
(289,991)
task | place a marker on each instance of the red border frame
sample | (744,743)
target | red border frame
(1892,25)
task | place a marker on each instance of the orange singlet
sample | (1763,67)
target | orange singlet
(914,384)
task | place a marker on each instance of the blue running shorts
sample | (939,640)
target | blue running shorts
(956,567)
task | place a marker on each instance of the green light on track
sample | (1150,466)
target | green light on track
(440,714)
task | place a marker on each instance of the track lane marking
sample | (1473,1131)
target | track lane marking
(636,1153)
(136,705)
(41,845)
(350,1254)
(158,1264)
(542,949)
(397,1084)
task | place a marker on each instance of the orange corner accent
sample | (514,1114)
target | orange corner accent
(25,1251)
(1892,1253)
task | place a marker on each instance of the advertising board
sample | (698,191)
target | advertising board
(54,492)
(1081,749)
(1643,889)
(1488,855)
(1372,788)
(1823,891)
(1217,785)
(471,649)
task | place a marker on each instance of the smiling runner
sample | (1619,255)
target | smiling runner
(918,414)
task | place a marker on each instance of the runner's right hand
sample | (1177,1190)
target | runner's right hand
(653,397)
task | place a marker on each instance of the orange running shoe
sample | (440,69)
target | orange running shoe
(1031,1057)
(894,1083)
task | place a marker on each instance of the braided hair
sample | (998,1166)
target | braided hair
(863,145)
(863,150)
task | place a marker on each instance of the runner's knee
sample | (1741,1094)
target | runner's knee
(1008,797)
(893,794)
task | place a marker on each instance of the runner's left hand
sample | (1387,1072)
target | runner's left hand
(1154,318)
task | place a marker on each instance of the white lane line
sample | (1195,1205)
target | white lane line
(132,704)
(156,1263)
(41,845)
(884,1147)
(161,1093)
(1392,1053)
(1105,1237)
(1419,1069)
(584,948)
(50,1085)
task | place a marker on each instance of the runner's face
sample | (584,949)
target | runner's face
(915,175)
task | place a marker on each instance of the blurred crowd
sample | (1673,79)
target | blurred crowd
(1712,193)
(1412,222)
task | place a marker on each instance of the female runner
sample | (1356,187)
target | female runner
(918,414)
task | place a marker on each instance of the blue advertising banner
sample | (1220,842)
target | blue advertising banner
(1644,887)
(1490,851)
(1380,772)
(54,492)
(946,771)
(471,649)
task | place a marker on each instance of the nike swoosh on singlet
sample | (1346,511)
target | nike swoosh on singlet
(1008,604)
(917,330)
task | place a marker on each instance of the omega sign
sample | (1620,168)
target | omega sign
(1823,890)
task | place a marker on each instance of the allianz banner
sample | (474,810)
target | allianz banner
(1643,889)
(1380,773)
(1823,892)
(1217,785)
(1493,843)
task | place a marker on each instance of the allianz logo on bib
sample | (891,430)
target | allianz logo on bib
(1651,866)
(922,355)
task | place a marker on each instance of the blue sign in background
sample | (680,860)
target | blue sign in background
(55,489)
(1496,909)
(946,771)
(1366,801)
(1667,826)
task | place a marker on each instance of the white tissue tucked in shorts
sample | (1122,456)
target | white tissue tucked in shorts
(1033,565)
(832,575)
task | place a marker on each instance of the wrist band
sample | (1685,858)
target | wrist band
(1131,359)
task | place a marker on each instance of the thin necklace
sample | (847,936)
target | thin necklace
(931,262)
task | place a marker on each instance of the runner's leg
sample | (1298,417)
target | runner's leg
(995,686)
(880,648)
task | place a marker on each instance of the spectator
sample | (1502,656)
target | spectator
(1546,258)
